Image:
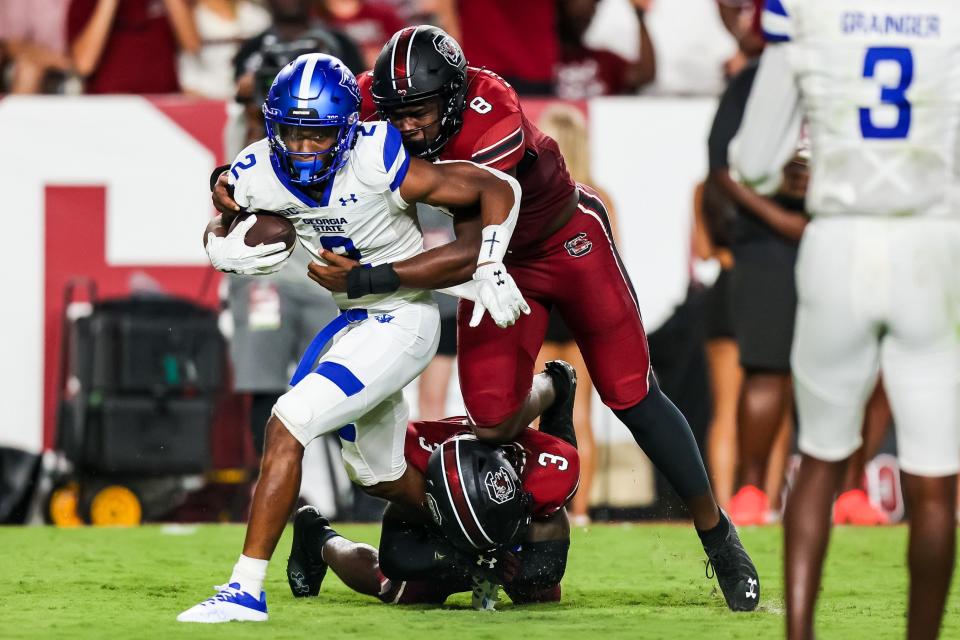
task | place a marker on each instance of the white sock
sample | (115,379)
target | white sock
(250,573)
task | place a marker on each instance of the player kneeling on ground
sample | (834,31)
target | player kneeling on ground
(498,519)
(350,189)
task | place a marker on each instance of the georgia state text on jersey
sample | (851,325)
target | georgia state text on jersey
(359,214)
(551,472)
(879,83)
(497,134)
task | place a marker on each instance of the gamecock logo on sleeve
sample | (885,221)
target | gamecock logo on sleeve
(500,486)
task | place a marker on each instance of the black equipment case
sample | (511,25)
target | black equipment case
(140,378)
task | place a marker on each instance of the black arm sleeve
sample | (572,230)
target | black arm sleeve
(414,552)
(726,122)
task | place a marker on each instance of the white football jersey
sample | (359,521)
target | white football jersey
(360,213)
(878,84)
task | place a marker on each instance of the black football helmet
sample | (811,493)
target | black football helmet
(417,64)
(475,495)
(274,54)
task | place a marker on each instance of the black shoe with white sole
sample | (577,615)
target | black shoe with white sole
(735,572)
(305,566)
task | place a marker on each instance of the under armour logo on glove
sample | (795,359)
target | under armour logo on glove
(497,293)
(344,201)
(752,584)
(489,562)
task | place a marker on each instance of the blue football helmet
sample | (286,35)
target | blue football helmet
(315,90)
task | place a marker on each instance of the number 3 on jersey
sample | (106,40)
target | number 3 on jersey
(547,459)
(889,95)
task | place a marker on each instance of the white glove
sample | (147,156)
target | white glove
(232,255)
(497,294)
(465,290)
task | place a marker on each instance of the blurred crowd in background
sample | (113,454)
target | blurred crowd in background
(572,49)
(566,49)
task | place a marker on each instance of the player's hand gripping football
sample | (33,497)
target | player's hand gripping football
(232,255)
(333,275)
(222,200)
(498,295)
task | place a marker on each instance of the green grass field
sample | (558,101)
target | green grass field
(638,581)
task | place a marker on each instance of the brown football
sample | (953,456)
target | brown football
(268,228)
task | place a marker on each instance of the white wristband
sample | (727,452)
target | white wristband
(493,245)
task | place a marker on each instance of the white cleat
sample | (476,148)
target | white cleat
(229,603)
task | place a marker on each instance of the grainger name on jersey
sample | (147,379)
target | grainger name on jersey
(878,87)
(920,25)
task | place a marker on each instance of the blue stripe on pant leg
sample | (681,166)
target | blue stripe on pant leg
(340,376)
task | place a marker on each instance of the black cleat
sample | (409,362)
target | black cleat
(305,566)
(557,420)
(735,572)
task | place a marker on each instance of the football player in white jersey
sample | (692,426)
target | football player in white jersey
(878,273)
(350,189)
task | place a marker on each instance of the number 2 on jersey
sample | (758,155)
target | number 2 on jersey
(895,95)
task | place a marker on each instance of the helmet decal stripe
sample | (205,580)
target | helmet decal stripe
(451,480)
(407,68)
(473,514)
(401,59)
(303,91)
(393,56)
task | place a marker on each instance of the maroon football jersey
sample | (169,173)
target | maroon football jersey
(495,133)
(551,473)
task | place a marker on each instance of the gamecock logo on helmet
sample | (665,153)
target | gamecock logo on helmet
(500,486)
(448,48)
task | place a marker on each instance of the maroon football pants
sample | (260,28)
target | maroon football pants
(579,271)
